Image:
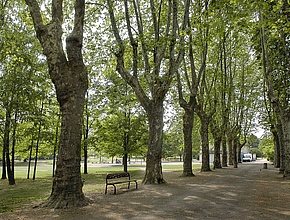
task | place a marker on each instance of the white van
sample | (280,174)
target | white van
(247,158)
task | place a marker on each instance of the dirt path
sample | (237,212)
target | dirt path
(248,192)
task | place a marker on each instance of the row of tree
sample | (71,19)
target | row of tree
(215,66)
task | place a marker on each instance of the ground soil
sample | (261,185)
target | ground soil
(247,192)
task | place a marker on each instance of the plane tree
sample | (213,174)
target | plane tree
(150,39)
(69,76)
(274,56)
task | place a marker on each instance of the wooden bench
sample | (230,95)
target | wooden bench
(123,178)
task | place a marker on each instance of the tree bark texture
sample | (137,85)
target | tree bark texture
(277,153)
(235,152)
(282,146)
(286,131)
(240,146)
(225,152)
(217,136)
(153,173)
(230,148)
(217,155)
(205,166)
(6,141)
(69,75)
(188,122)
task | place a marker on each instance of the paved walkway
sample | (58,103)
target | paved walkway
(249,192)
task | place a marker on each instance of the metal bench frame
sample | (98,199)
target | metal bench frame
(112,176)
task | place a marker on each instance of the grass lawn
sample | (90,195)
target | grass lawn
(28,191)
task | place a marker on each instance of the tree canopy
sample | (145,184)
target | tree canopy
(154,79)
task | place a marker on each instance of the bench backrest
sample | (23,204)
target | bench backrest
(117,175)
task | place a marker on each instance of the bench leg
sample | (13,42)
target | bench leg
(106,190)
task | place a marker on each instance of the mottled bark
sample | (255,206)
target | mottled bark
(217,136)
(205,166)
(280,134)
(286,131)
(277,153)
(217,155)
(188,122)
(153,173)
(69,75)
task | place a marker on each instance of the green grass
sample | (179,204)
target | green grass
(23,192)
(28,191)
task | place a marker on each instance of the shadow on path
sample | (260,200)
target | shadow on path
(249,192)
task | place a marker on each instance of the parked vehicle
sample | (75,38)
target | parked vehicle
(247,158)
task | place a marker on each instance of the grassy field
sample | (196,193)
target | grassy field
(28,191)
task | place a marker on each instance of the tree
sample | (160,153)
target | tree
(69,75)
(158,37)
(19,66)
(274,47)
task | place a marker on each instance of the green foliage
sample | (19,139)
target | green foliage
(267,147)
(25,84)
(257,151)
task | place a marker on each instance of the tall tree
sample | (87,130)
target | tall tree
(69,75)
(274,35)
(157,37)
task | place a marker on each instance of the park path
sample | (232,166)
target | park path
(247,192)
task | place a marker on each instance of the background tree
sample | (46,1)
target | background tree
(20,65)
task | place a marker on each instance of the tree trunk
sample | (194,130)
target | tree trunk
(29,159)
(6,141)
(67,183)
(4,174)
(235,152)
(125,162)
(286,131)
(230,148)
(205,166)
(217,136)
(86,136)
(188,122)
(55,145)
(125,148)
(13,145)
(217,154)
(225,152)
(282,146)
(240,146)
(277,152)
(153,173)
(127,118)
(70,78)
(37,143)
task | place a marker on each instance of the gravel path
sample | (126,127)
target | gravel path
(249,192)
